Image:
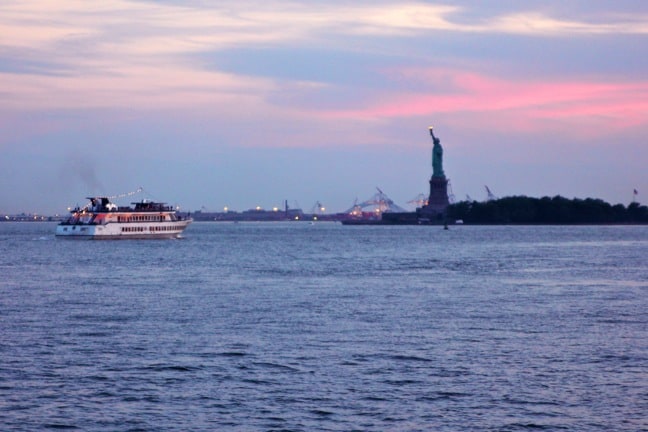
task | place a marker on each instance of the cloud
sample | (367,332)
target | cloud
(122,27)
(526,104)
(149,56)
(536,24)
(128,47)
(132,86)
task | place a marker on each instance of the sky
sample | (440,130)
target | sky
(239,104)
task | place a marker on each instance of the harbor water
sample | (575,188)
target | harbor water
(324,327)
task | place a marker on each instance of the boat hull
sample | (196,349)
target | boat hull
(120,231)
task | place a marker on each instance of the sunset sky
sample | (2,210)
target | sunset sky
(207,104)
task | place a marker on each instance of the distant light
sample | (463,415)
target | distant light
(322,209)
(225,209)
(258,207)
(296,217)
(275,209)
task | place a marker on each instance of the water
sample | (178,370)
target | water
(300,327)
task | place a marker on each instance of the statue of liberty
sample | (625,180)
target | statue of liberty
(437,156)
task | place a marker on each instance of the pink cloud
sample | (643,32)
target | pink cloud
(522,105)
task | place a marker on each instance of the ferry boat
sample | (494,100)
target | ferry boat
(102,219)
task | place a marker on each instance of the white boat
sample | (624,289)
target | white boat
(102,219)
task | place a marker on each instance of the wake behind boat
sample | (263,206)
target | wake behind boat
(102,219)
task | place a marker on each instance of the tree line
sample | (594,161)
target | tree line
(557,210)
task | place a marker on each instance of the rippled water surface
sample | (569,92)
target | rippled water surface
(323,327)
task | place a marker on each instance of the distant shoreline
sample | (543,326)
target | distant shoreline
(514,210)
(373,223)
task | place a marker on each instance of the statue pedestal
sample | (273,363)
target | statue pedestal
(438,200)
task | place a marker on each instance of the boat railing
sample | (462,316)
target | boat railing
(73,221)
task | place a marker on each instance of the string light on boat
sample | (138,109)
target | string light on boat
(127,194)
